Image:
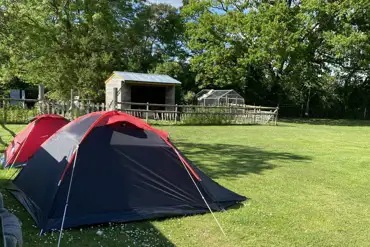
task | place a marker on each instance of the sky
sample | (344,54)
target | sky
(176,3)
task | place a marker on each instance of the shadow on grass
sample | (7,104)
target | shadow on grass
(11,132)
(329,122)
(138,234)
(228,161)
(4,144)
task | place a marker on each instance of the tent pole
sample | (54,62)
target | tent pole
(67,200)
(204,199)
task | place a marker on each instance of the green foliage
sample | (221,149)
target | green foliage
(189,98)
(169,68)
(180,71)
(207,119)
(278,52)
(211,117)
(308,185)
(77,44)
(309,54)
(17,114)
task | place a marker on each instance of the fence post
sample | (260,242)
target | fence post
(63,108)
(276,115)
(254,114)
(176,114)
(23,93)
(72,105)
(147,112)
(41,98)
(365,113)
(115,97)
(260,118)
(5,117)
(81,108)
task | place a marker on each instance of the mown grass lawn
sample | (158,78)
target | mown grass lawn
(308,184)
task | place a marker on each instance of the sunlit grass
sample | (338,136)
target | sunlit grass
(308,184)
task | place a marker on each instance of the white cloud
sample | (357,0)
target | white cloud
(175,3)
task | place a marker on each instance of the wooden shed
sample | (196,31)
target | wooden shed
(140,88)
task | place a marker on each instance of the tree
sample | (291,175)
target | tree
(76,44)
(348,50)
(156,36)
(279,51)
(64,45)
(235,44)
(180,71)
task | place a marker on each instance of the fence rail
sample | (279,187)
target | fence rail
(200,106)
(233,114)
(22,110)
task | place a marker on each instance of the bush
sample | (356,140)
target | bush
(210,117)
(189,98)
(17,114)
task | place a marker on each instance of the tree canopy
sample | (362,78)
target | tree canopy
(308,56)
(68,44)
(281,51)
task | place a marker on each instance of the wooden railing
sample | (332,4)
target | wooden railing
(241,114)
(26,109)
(21,112)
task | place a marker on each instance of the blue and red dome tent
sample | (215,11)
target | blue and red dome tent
(28,141)
(112,167)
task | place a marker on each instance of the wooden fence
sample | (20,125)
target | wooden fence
(22,110)
(241,114)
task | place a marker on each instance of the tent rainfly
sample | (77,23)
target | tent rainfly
(29,140)
(93,171)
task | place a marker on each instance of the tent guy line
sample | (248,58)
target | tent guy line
(67,199)
(108,147)
(205,201)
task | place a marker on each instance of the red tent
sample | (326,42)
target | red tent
(28,141)
(112,167)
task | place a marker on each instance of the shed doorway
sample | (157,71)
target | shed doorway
(151,94)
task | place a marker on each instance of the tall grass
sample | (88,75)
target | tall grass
(17,114)
(211,117)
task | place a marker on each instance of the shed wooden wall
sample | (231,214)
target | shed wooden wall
(113,82)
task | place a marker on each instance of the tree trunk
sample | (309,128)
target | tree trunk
(308,103)
(365,112)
